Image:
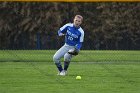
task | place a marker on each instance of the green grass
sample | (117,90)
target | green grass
(84,56)
(101,71)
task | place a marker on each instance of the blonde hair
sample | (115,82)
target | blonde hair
(79,16)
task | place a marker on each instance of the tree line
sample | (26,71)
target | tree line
(34,25)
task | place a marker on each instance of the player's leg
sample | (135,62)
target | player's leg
(58,55)
(67,59)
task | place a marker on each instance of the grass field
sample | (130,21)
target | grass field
(32,71)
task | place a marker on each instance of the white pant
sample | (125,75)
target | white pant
(63,52)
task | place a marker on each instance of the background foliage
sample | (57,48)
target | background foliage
(112,25)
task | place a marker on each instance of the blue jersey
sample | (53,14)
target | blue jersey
(73,36)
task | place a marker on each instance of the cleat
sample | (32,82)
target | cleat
(63,73)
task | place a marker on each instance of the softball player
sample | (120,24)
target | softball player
(74,36)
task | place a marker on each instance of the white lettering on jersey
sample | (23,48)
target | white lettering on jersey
(71,34)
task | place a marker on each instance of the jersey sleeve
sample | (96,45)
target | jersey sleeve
(63,29)
(81,40)
(79,45)
(82,36)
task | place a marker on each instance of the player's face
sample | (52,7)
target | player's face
(77,21)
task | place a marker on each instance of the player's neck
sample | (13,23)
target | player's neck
(76,26)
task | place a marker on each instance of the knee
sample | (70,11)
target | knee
(67,58)
(55,59)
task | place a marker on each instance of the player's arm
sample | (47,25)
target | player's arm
(62,30)
(81,39)
(78,46)
(60,33)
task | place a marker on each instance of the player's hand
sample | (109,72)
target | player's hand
(61,34)
(73,51)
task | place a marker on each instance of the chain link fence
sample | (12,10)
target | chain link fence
(28,30)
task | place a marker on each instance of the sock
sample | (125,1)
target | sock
(59,66)
(66,65)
